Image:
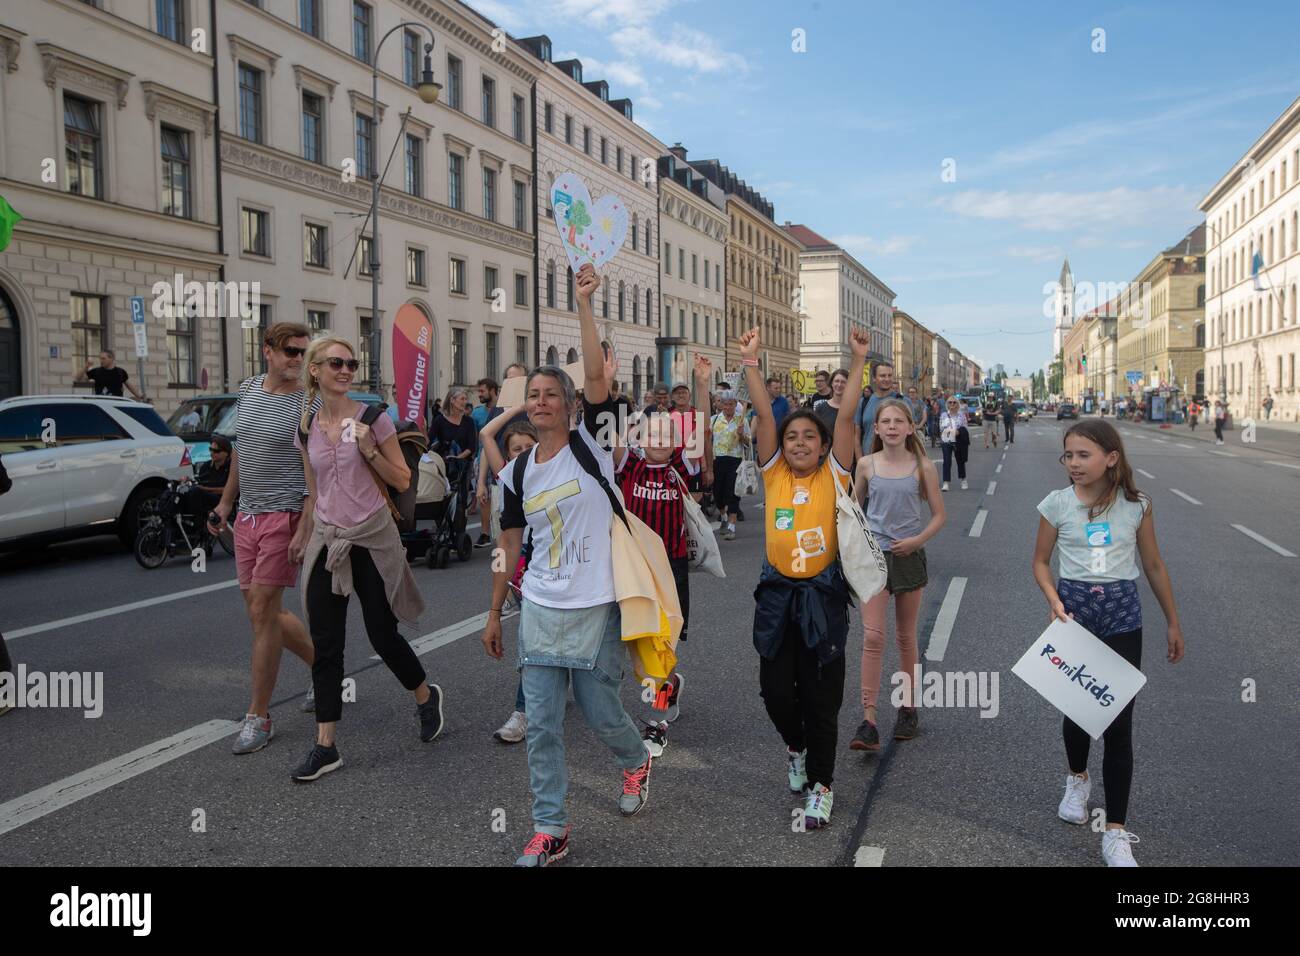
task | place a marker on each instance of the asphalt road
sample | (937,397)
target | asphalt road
(1213,778)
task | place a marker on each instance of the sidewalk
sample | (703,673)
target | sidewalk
(1274,438)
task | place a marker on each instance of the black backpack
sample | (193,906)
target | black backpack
(414,443)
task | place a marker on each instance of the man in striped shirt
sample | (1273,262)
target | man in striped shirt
(274,523)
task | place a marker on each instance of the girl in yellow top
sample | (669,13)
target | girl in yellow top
(801,614)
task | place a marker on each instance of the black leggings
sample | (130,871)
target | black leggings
(1117,760)
(803,702)
(682,578)
(724,484)
(329,616)
(962,452)
(1218,429)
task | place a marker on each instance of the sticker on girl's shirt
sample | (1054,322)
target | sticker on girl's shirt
(1098,533)
(812,542)
(802,495)
(784,518)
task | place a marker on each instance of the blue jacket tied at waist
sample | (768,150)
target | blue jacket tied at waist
(817,607)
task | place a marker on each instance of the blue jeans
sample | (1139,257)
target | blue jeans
(596,692)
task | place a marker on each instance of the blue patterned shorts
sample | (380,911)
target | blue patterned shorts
(1114,607)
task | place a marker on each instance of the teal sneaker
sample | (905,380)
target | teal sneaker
(817,807)
(254,735)
(798,770)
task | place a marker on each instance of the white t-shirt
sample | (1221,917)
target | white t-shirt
(1079,538)
(569,514)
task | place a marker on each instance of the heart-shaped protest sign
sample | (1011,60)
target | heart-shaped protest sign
(590,232)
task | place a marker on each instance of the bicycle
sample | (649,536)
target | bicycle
(168,527)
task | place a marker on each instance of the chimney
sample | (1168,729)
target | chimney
(678,150)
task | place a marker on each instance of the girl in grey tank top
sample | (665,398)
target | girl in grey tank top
(893,508)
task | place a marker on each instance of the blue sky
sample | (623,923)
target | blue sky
(1058,150)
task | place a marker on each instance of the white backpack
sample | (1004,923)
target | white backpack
(861,558)
(702,551)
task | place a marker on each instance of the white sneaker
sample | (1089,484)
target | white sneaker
(964,485)
(1074,805)
(514,729)
(817,807)
(797,767)
(1115,848)
(945,486)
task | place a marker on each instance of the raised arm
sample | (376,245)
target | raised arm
(594,387)
(844,443)
(764,423)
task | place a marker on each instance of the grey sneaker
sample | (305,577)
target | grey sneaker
(730,533)
(636,789)
(309,702)
(254,735)
(908,724)
(514,729)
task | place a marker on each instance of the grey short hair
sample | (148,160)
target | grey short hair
(561,376)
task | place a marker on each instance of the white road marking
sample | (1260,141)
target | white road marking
(1184,497)
(1283,464)
(1161,440)
(997,470)
(1181,445)
(869,856)
(978,527)
(1264,541)
(939,637)
(452,632)
(32,806)
(992,486)
(119,609)
(1225,454)
(1146,474)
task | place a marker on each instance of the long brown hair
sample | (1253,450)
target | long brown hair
(1119,475)
(911,442)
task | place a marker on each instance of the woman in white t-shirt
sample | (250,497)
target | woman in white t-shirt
(1097,527)
(569,618)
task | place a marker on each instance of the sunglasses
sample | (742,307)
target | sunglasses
(293,351)
(337,363)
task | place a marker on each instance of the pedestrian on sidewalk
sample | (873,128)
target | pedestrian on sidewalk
(1220,418)
(1096,527)
(354,546)
(956,442)
(569,621)
(1193,410)
(1268,407)
(654,477)
(730,439)
(267,479)
(990,417)
(801,603)
(1009,420)
(519,437)
(893,482)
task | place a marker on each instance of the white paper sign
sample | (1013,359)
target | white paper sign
(1079,675)
(590,232)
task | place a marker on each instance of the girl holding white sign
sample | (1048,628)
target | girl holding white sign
(1096,528)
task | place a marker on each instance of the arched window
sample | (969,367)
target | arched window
(621,313)
(649,373)
(573,357)
(568,289)
(552,357)
(636,304)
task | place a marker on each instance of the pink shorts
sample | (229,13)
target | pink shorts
(262,549)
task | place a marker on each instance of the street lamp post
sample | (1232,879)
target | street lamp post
(428,91)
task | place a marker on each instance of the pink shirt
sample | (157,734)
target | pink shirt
(346,491)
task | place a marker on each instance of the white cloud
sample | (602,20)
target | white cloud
(617,73)
(684,48)
(1063,211)
(871,246)
(1037,253)
(606,13)
(502,14)
(951,276)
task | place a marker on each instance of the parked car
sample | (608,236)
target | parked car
(218,414)
(81,465)
(1067,410)
(1022,410)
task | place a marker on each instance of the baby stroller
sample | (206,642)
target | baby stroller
(444,498)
